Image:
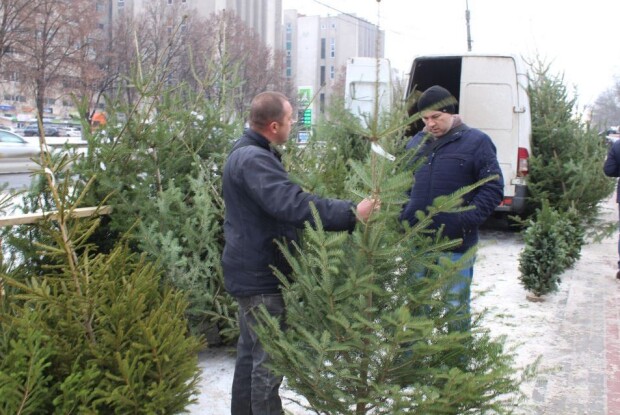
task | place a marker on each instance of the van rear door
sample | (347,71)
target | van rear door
(490,101)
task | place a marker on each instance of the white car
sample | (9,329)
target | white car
(73,132)
(17,154)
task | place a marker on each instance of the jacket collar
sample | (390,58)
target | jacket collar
(254,138)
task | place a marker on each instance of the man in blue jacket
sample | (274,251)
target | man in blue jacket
(263,206)
(612,169)
(455,156)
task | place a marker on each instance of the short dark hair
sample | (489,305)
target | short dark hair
(267,107)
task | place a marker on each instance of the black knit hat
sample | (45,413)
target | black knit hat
(437,98)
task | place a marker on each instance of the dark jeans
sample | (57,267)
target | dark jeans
(255,388)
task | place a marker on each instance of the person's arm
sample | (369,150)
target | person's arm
(270,187)
(489,195)
(611,167)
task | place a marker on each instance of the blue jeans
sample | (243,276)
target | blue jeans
(459,292)
(255,388)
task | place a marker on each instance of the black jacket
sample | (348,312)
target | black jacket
(612,165)
(460,158)
(262,206)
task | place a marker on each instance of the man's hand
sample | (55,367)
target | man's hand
(366,207)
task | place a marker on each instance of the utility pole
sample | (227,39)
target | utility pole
(468,26)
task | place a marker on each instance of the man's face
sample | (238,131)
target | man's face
(437,123)
(283,127)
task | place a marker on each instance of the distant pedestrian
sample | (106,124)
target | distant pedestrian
(263,207)
(612,169)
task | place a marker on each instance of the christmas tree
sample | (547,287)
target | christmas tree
(90,332)
(368,330)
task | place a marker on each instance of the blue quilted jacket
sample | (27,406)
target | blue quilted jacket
(462,157)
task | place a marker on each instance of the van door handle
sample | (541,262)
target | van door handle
(518,110)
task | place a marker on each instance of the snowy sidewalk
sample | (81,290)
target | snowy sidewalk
(575,331)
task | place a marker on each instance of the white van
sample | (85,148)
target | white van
(492,94)
(366,78)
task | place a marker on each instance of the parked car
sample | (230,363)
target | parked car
(73,132)
(33,130)
(7,128)
(17,154)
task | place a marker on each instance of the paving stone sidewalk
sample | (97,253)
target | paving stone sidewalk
(587,356)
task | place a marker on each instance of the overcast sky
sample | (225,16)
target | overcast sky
(581,39)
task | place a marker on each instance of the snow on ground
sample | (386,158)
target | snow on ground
(535,329)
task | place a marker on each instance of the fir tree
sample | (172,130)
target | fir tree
(92,333)
(368,330)
(565,166)
(545,254)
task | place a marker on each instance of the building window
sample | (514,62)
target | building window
(169,2)
(17,98)
(332,47)
(322,75)
(323,48)
(322,103)
(332,72)
(121,4)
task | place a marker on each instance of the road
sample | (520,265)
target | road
(15,181)
(17,172)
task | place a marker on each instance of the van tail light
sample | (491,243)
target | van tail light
(522,164)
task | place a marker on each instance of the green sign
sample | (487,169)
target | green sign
(304,95)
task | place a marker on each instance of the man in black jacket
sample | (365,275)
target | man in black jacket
(263,206)
(612,169)
(456,156)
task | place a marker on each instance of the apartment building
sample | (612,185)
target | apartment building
(264,16)
(317,49)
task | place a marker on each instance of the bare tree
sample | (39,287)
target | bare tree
(14,15)
(232,41)
(54,43)
(148,49)
(606,111)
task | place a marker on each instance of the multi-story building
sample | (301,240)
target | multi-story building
(317,49)
(264,16)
